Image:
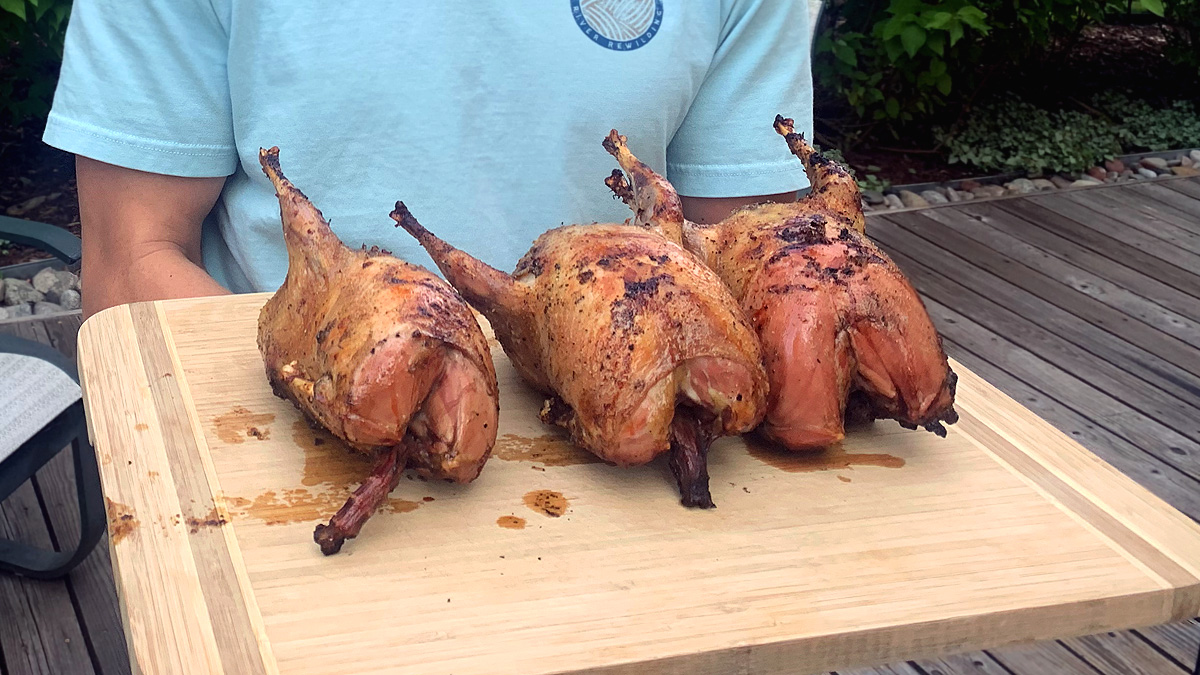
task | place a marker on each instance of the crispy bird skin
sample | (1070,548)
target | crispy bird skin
(639,347)
(843,332)
(383,354)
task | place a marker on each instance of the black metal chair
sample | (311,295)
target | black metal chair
(68,428)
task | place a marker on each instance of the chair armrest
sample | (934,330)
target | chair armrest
(54,240)
(11,344)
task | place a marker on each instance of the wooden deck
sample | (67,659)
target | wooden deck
(1084,306)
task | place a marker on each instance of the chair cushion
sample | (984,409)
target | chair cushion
(32,393)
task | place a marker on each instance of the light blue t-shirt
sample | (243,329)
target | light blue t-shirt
(484,116)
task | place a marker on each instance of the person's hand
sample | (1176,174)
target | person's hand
(141,235)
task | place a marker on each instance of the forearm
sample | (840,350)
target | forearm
(706,210)
(157,273)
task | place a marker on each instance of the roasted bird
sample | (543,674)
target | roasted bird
(844,335)
(639,347)
(383,354)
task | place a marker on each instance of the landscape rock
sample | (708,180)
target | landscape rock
(1021,186)
(1114,165)
(1154,163)
(934,197)
(18,210)
(1098,173)
(1146,173)
(3,313)
(18,291)
(969,185)
(1127,173)
(1086,182)
(985,191)
(966,196)
(1185,171)
(1043,184)
(892,201)
(46,308)
(1112,177)
(912,200)
(954,196)
(1061,182)
(1195,156)
(53,283)
(1186,161)
(70,300)
(873,196)
(17,311)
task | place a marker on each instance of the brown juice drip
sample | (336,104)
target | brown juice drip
(332,471)
(327,460)
(239,424)
(511,522)
(547,502)
(833,457)
(120,520)
(547,450)
(210,519)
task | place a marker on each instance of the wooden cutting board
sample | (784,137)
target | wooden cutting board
(898,544)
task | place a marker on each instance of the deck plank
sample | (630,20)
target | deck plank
(1190,187)
(1179,640)
(1158,419)
(40,633)
(974,663)
(1121,299)
(1146,338)
(1143,213)
(1103,223)
(1132,279)
(1123,653)
(1174,201)
(1180,278)
(1051,658)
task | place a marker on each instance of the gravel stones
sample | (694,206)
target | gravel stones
(1021,186)
(50,291)
(912,200)
(934,197)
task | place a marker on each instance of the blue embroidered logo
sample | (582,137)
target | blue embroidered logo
(620,25)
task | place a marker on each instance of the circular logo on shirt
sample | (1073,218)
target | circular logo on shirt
(620,25)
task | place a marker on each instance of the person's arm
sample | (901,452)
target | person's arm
(707,210)
(141,235)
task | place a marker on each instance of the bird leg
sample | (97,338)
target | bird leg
(834,190)
(349,519)
(653,199)
(690,440)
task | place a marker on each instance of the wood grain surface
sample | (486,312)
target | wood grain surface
(897,545)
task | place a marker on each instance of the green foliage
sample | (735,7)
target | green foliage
(31,43)
(898,65)
(1012,135)
(893,61)
(1015,136)
(1183,38)
(1140,126)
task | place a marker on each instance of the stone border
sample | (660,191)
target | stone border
(1125,169)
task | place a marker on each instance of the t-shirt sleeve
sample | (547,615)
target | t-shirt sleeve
(144,86)
(726,146)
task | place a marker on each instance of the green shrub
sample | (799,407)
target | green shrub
(31,42)
(1013,135)
(892,61)
(1140,126)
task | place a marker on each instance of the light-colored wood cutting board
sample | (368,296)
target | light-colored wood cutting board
(898,544)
